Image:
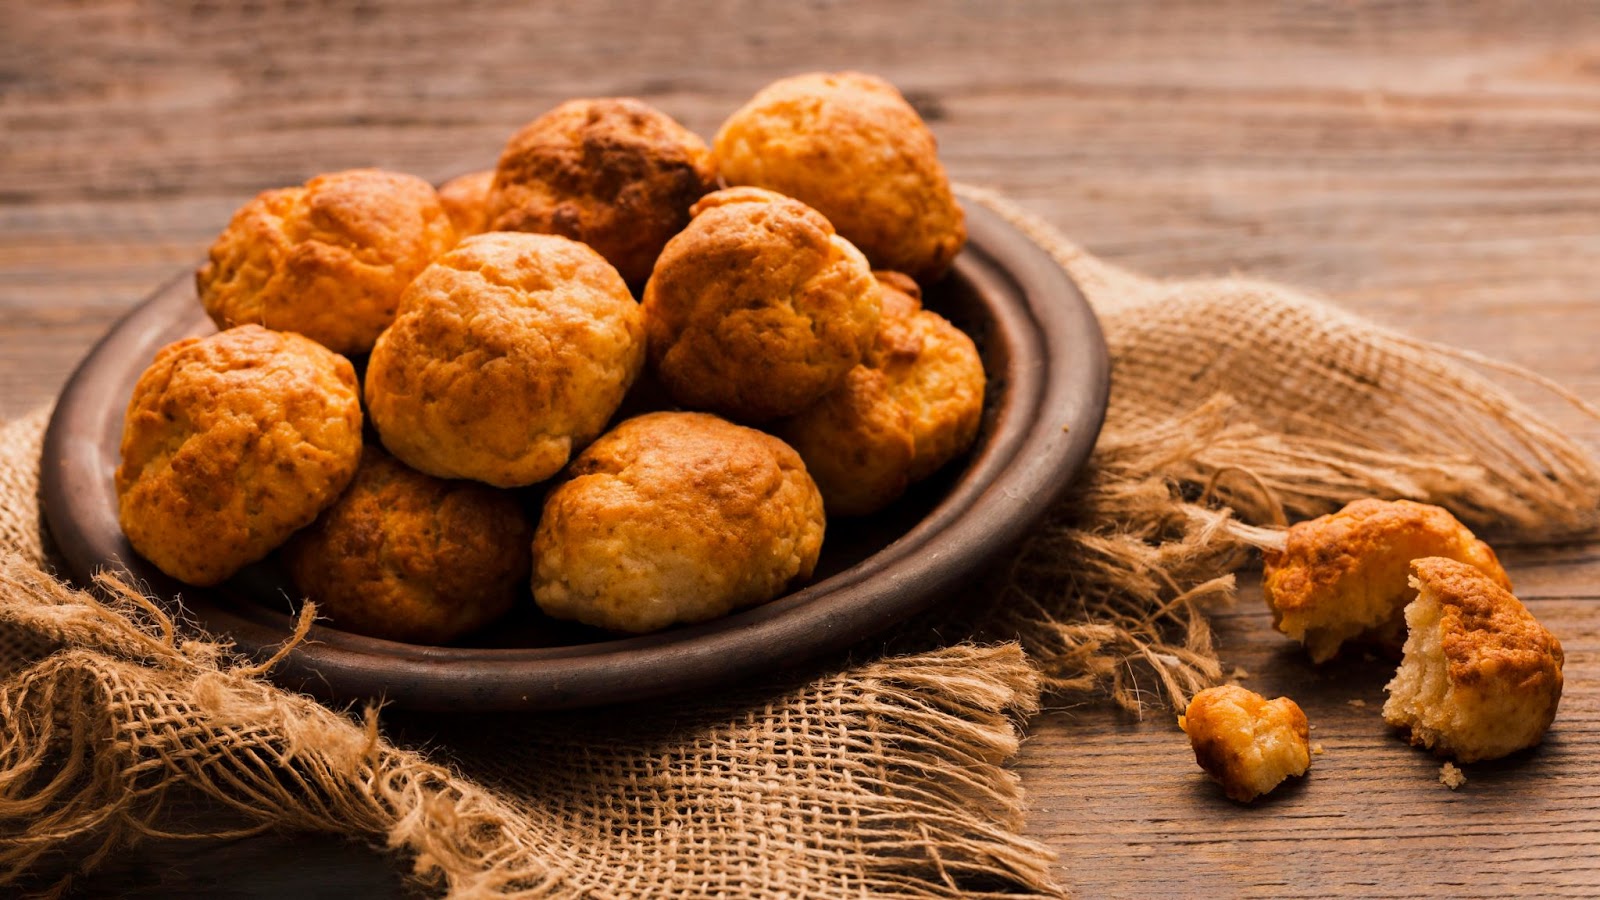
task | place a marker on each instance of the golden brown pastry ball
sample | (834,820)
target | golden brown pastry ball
(911,406)
(1481,677)
(327,260)
(509,353)
(1343,576)
(614,173)
(231,443)
(409,557)
(758,309)
(675,517)
(466,201)
(1246,742)
(850,146)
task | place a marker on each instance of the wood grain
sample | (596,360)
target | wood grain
(1433,165)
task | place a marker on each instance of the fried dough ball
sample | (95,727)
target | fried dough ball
(327,260)
(409,557)
(1245,742)
(1343,576)
(614,173)
(509,353)
(850,146)
(1481,677)
(672,518)
(911,406)
(466,201)
(758,309)
(231,443)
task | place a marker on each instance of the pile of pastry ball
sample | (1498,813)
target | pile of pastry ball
(1479,676)
(642,462)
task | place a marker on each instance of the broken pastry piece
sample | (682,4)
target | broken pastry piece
(1481,677)
(1343,576)
(1247,743)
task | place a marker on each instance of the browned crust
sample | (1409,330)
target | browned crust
(409,557)
(1220,741)
(328,260)
(231,443)
(758,309)
(851,146)
(675,517)
(466,201)
(1487,634)
(913,404)
(509,354)
(614,173)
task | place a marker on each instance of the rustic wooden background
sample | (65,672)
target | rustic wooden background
(1435,166)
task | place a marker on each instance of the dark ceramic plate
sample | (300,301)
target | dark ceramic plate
(1049,378)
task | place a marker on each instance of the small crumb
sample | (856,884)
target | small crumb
(1312,727)
(1452,777)
(1066,428)
(1316,749)
(1240,672)
(1358,704)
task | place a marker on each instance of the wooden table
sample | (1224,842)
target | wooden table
(1435,166)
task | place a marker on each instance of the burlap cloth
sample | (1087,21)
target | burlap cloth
(1235,404)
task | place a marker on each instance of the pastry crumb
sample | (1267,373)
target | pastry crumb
(1245,742)
(1316,749)
(1240,673)
(1452,777)
(1357,703)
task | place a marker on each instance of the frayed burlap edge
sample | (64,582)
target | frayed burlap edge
(100,733)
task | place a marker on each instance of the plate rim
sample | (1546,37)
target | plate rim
(1071,382)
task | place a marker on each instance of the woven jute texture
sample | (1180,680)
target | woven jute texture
(1236,406)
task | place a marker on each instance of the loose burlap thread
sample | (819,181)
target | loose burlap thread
(1236,405)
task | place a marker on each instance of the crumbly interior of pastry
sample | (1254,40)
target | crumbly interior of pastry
(1481,678)
(1343,577)
(1247,743)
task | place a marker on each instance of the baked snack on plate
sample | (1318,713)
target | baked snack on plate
(614,173)
(328,260)
(1344,576)
(1245,742)
(509,354)
(758,309)
(231,443)
(909,407)
(409,557)
(851,147)
(675,517)
(1481,677)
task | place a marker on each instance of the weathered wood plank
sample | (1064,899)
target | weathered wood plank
(1433,165)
